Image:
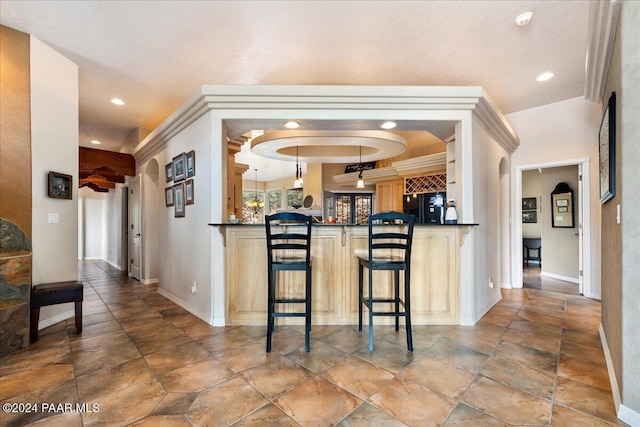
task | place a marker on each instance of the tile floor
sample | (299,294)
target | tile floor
(534,359)
(532,279)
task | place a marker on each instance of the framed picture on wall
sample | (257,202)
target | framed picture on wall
(529,217)
(190,159)
(178,200)
(168,170)
(60,186)
(179,170)
(188,192)
(168,196)
(607,147)
(529,204)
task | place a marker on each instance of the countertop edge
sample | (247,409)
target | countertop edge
(228,224)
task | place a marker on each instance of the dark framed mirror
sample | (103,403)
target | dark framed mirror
(562,211)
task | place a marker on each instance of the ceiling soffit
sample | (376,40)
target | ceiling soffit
(425,103)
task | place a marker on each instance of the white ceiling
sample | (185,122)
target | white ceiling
(154,54)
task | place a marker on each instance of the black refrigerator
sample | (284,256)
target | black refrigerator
(428,208)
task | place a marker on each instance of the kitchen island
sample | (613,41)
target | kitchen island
(435,273)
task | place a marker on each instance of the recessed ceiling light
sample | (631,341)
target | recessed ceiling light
(117,101)
(292,125)
(524,18)
(95,141)
(544,77)
(388,125)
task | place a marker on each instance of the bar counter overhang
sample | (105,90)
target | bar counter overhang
(435,275)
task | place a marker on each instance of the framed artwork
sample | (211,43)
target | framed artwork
(178,200)
(562,206)
(191,163)
(168,170)
(168,196)
(188,192)
(60,186)
(529,217)
(529,204)
(179,170)
(607,148)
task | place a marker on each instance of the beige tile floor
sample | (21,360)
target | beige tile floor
(534,359)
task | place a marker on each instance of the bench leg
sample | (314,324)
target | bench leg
(79,316)
(33,328)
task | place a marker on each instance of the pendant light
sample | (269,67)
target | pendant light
(298,182)
(255,204)
(360,183)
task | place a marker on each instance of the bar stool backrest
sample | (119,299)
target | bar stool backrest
(288,237)
(390,237)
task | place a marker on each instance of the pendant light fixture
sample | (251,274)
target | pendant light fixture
(255,204)
(360,183)
(298,182)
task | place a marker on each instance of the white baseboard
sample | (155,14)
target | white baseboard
(113,264)
(202,316)
(151,281)
(624,413)
(45,323)
(560,277)
(628,415)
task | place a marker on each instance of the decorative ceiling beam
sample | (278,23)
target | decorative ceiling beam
(120,163)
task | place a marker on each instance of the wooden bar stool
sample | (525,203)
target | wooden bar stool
(390,238)
(55,293)
(288,249)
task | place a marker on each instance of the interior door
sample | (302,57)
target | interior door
(580,232)
(135,236)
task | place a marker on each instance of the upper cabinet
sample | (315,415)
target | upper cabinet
(389,195)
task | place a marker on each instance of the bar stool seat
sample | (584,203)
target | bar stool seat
(390,238)
(288,249)
(55,293)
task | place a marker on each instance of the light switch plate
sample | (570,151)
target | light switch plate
(53,218)
(618,213)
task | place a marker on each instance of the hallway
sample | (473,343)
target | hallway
(534,359)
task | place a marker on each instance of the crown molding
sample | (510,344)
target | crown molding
(293,97)
(603,21)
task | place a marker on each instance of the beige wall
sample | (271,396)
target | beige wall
(15,132)
(54,141)
(620,242)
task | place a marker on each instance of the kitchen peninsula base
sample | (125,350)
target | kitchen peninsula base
(435,289)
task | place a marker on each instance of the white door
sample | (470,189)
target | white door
(580,232)
(135,236)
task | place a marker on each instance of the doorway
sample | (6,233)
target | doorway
(565,255)
(134,229)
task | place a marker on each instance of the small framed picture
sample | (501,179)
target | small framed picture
(529,204)
(168,170)
(562,203)
(168,196)
(179,170)
(188,192)
(529,217)
(178,200)
(60,186)
(191,163)
(563,209)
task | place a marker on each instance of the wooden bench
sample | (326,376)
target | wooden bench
(55,293)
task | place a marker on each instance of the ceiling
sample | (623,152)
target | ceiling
(155,54)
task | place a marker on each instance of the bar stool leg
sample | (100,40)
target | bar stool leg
(407,308)
(360,285)
(370,298)
(270,306)
(33,328)
(396,282)
(307,309)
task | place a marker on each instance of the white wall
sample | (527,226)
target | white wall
(112,239)
(93,223)
(54,147)
(560,131)
(153,184)
(487,155)
(183,247)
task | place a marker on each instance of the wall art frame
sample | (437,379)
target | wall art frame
(60,186)
(179,169)
(607,151)
(190,160)
(168,171)
(178,200)
(189,196)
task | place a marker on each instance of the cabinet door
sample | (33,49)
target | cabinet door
(383,196)
(396,195)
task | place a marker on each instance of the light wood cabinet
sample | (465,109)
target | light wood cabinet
(435,295)
(389,195)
